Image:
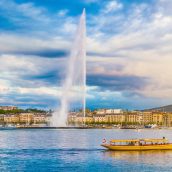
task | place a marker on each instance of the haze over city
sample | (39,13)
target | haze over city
(129,47)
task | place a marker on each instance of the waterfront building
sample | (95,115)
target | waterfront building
(140,118)
(72,119)
(131,117)
(100,118)
(115,118)
(1,118)
(167,120)
(108,111)
(39,118)
(113,111)
(26,118)
(147,117)
(89,119)
(8,107)
(100,112)
(11,119)
(80,119)
(157,118)
(104,116)
(126,118)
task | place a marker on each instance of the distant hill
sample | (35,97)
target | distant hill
(167,108)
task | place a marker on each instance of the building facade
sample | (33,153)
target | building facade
(8,107)
(115,118)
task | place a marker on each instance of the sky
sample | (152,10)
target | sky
(129,52)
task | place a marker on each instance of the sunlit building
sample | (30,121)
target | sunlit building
(99,118)
(147,117)
(167,120)
(26,118)
(39,118)
(8,107)
(157,118)
(115,118)
(108,111)
(11,119)
(131,117)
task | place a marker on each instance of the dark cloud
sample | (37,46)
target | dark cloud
(106,54)
(47,53)
(133,94)
(51,78)
(117,83)
(30,100)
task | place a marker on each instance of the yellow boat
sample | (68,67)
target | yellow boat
(138,144)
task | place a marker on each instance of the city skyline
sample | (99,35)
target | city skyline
(128,52)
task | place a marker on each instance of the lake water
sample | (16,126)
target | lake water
(78,150)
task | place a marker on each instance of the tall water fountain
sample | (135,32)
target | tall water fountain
(74,84)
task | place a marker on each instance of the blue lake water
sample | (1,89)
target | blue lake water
(78,150)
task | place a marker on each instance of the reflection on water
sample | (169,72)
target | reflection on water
(78,150)
(151,157)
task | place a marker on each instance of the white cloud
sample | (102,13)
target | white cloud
(113,5)
(11,43)
(17,69)
(16,11)
(142,48)
(137,44)
(62,13)
(4,86)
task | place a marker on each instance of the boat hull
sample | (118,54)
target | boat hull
(138,148)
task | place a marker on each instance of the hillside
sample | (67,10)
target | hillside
(167,108)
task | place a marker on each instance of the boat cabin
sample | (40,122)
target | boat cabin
(139,142)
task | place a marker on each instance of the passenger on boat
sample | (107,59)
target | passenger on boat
(131,143)
(140,144)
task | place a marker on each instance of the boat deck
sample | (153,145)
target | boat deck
(138,144)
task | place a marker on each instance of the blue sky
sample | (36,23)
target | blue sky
(129,51)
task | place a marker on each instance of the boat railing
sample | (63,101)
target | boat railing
(139,142)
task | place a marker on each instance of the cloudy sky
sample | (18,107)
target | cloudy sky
(129,51)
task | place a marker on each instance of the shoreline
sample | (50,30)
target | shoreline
(68,128)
